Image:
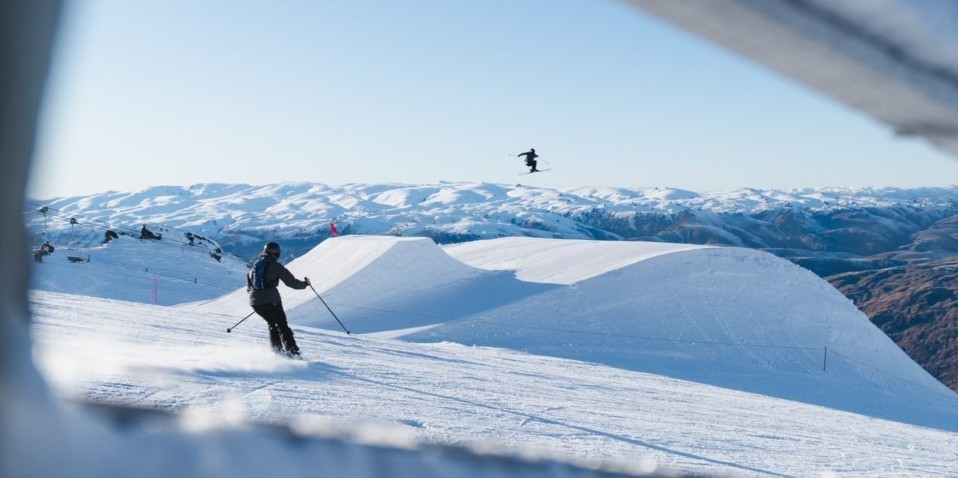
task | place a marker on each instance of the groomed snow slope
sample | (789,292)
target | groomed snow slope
(730,317)
(158,357)
(145,271)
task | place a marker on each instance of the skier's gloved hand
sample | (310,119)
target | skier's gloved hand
(306,280)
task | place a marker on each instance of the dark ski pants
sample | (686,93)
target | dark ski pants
(532,164)
(280,335)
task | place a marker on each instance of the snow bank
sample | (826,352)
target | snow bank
(145,271)
(383,266)
(730,317)
(556,261)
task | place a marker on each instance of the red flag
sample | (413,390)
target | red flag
(332,227)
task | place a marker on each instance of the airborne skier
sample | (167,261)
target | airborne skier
(531,159)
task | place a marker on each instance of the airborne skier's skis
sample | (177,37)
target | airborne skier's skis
(533,172)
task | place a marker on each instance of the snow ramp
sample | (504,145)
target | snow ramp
(392,286)
(730,317)
(559,261)
(385,285)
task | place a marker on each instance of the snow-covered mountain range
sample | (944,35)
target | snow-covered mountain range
(854,222)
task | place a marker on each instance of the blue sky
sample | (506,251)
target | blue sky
(374,91)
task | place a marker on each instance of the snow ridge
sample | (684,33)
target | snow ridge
(241,216)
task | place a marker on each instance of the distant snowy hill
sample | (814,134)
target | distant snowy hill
(846,223)
(148,271)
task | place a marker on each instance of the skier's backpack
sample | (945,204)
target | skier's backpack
(257,274)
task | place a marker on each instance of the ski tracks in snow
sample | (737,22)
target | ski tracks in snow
(456,394)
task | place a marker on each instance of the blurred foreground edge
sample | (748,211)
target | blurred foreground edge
(878,69)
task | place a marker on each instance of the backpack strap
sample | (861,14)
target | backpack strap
(258,274)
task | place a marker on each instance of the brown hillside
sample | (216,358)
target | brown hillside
(917,306)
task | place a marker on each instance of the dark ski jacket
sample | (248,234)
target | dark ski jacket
(269,294)
(530,156)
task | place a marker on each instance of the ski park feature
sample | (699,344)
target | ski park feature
(653,355)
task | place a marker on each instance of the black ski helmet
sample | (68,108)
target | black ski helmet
(272,250)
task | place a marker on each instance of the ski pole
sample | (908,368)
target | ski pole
(230,329)
(330,310)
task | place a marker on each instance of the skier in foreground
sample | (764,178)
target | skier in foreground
(262,283)
(531,159)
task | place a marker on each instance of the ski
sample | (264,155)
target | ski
(532,172)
